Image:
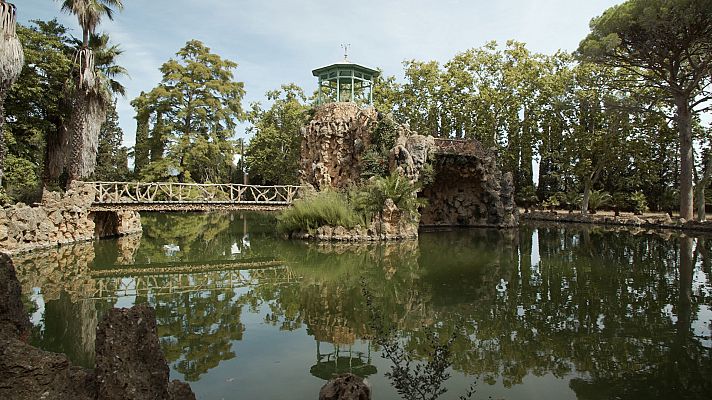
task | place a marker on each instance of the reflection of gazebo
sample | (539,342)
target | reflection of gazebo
(345,81)
(331,364)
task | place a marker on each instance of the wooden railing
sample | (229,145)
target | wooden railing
(459,147)
(191,193)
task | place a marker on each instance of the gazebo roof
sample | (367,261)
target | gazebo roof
(346,64)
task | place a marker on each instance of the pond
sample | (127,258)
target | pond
(544,311)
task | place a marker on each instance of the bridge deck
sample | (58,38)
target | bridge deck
(110,196)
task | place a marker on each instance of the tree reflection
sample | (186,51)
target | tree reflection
(615,313)
(197,329)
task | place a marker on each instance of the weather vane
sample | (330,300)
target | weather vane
(346,47)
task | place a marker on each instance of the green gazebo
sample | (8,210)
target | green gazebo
(345,81)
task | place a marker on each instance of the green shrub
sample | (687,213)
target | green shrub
(597,200)
(572,200)
(371,198)
(638,203)
(620,201)
(427,175)
(319,209)
(552,202)
(527,197)
(374,163)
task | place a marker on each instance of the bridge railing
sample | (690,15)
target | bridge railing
(191,193)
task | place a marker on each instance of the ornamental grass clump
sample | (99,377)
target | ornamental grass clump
(316,210)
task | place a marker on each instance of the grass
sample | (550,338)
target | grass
(320,209)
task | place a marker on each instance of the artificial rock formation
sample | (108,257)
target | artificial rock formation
(333,144)
(468,188)
(465,186)
(61,219)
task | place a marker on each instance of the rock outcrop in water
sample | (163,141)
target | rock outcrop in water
(465,186)
(129,362)
(333,145)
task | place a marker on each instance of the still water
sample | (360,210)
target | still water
(550,312)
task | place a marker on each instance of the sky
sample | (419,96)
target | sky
(282,41)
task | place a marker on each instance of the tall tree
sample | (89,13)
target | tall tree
(91,90)
(195,110)
(273,153)
(666,45)
(143,114)
(11,61)
(34,105)
(111,159)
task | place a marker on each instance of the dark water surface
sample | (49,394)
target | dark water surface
(545,312)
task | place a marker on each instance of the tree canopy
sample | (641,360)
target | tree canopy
(274,151)
(664,46)
(187,123)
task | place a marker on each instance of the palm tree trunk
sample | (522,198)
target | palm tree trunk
(87,117)
(12,59)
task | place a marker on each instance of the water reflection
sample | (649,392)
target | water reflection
(609,313)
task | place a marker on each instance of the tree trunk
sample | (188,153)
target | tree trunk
(702,184)
(55,153)
(586,197)
(687,160)
(87,117)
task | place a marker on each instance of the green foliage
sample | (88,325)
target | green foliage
(34,107)
(370,199)
(638,203)
(274,152)
(552,203)
(571,199)
(21,180)
(527,197)
(112,157)
(191,116)
(663,48)
(619,201)
(385,133)
(383,139)
(670,200)
(598,199)
(427,175)
(316,210)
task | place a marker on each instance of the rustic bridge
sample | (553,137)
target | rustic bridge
(139,196)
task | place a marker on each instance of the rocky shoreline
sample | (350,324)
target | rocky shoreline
(653,222)
(129,361)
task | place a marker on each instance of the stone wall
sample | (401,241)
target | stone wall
(60,219)
(333,144)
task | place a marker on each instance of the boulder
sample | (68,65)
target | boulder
(346,387)
(12,312)
(129,361)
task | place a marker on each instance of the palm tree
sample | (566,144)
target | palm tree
(91,89)
(11,61)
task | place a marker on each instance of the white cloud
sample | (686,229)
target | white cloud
(280,41)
